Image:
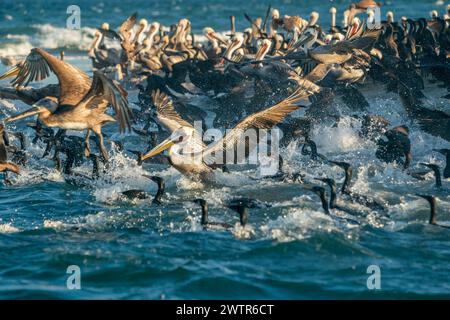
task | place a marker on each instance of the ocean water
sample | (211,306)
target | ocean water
(292,250)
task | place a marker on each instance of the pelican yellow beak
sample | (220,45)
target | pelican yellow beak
(13,72)
(260,52)
(25,114)
(166,144)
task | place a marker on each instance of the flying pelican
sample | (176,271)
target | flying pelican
(189,155)
(82,102)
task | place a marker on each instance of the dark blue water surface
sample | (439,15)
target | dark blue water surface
(289,251)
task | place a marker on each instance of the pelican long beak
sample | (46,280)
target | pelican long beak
(260,52)
(25,114)
(214,36)
(13,72)
(166,144)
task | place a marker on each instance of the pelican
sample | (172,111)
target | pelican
(236,42)
(82,102)
(187,152)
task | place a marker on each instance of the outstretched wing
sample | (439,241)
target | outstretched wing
(73,82)
(165,112)
(104,92)
(128,24)
(265,119)
(111,34)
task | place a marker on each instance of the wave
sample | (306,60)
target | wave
(49,37)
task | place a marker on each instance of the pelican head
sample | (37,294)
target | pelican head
(43,108)
(181,138)
(155,26)
(182,28)
(264,47)
(313,18)
(105,26)
(275,14)
(210,34)
(143,23)
(390,16)
(236,43)
(346,17)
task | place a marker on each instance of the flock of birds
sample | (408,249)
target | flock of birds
(278,65)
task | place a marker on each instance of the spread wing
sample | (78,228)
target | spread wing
(74,83)
(165,112)
(265,119)
(104,92)
(128,24)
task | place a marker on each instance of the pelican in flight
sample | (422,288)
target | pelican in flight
(82,102)
(187,152)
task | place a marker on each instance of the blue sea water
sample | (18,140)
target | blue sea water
(291,250)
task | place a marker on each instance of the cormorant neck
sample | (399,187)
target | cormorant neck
(204,221)
(348,179)
(324,201)
(333,196)
(160,193)
(437,175)
(433,212)
(243,215)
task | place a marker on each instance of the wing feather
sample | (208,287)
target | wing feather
(166,113)
(265,119)
(74,83)
(104,92)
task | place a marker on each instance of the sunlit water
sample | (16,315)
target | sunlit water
(291,250)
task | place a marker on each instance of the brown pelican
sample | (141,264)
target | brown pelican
(189,155)
(82,102)
(230,53)
(214,49)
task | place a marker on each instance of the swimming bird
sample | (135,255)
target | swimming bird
(446,153)
(82,102)
(205,222)
(433,219)
(241,206)
(141,195)
(436,171)
(333,197)
(353,196)
(320,191)
(189,155)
